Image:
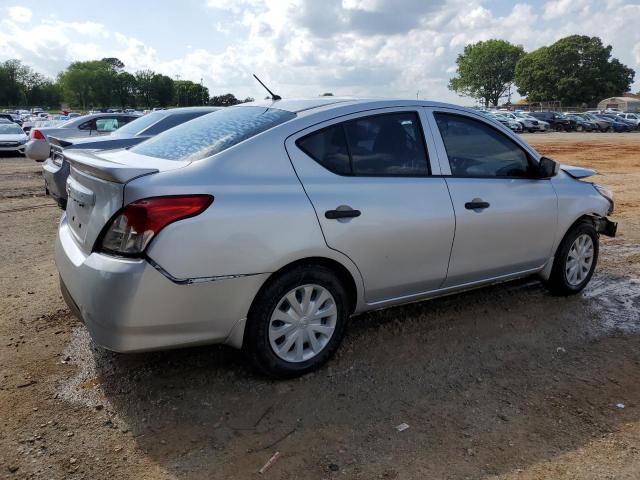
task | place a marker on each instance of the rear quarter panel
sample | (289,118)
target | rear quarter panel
(260,220)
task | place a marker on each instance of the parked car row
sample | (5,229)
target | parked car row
(531,122)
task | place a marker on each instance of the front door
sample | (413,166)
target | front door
(505,217)
(371,183)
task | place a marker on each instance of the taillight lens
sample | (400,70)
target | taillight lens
(132,228)
(37,134)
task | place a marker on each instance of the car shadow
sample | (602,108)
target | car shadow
(490,382)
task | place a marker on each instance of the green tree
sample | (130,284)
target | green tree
(125,89)
(144,90)
(486,70)
(228,100)
(162,90)
(13,79)
(574,70)
(91,83)
(188,93)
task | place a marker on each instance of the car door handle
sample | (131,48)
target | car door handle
(346,213)
(475,205)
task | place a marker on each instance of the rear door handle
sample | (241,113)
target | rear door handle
(475,205)
(336,214)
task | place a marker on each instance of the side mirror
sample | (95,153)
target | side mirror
(548,168)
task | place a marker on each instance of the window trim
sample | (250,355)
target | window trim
(530,158)
(342,123)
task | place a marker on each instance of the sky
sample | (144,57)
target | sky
(365,48)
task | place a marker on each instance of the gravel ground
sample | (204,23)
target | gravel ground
(501,383)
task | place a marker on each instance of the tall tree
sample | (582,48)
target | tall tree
(188,93)
(575,70)
(228,100)
(91,83)
(144,87)
(162,90)
(125,89)
(486,70)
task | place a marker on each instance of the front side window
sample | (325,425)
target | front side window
(90,125)
(379,145)
(212,133)
(475,149)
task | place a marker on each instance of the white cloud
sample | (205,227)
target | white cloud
(351,47)
(20,14)
(562,8)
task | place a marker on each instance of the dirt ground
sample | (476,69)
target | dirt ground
(501,383)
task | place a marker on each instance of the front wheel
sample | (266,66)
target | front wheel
(297,322)
(575,260)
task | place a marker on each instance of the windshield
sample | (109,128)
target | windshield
(10,129)
(212,133)
(139,124)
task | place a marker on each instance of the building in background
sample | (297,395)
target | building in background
(626,103)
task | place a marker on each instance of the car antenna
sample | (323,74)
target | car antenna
(273,95)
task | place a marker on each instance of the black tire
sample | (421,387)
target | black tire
(558,283)
(256,340)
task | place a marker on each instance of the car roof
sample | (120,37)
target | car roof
(171,111)
(309,106)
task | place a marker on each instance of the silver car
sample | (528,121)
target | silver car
(266,225)
(38,148)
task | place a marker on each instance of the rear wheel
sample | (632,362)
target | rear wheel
(297,321)
(575,260)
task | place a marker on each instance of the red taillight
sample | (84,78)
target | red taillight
(131,229)
(37,134)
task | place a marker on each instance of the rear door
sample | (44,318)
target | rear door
(378,198)
(505,217)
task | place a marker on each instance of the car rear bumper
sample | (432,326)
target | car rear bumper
(55,180)
(129,306)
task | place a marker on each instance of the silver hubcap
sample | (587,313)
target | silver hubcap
(302,323)
(579,260)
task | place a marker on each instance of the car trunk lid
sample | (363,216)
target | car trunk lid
(95,187)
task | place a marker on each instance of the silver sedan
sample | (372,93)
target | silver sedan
(266,225)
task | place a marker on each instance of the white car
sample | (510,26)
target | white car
(38,147)
(12,138)
(631,117)
(541,125)
(529,124)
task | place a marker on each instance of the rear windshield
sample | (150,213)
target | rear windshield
(212,133)
(139,124)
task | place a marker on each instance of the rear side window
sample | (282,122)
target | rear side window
(475,149)
(379,145)
(329,148)
(172,121)
(212,133)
